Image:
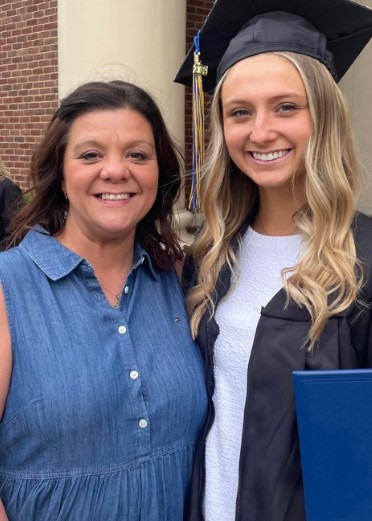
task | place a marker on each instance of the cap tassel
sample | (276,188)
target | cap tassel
(199,70)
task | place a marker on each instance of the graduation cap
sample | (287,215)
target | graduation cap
(332,31)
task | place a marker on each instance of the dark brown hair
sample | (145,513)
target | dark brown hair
(47,207)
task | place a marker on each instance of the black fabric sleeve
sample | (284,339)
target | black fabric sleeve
(10,201)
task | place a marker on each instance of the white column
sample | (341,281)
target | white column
(356,85)
(142,41)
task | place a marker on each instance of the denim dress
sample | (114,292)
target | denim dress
(105,404)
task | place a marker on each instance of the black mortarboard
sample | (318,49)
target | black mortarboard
(332,31)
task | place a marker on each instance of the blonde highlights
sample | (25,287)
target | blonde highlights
(327,279)
(227,196)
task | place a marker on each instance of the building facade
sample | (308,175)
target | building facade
(28,79)
(48,47)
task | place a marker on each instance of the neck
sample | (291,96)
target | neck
(111,260)
(98,250)
(275,215)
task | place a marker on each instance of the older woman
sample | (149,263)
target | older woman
(101,385)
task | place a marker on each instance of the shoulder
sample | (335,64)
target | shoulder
(362,222)
(8,187)
(362,229)
(12,268)
(10,256)
(13,262)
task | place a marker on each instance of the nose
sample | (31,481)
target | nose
(115,170)
(262,130)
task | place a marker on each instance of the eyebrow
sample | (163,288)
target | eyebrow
(88,143)
(98,144)
(274,98)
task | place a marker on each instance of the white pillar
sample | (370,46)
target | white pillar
(142,41)
(356,85)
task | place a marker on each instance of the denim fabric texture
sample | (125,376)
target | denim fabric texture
(105,404)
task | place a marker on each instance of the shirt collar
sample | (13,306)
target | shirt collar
(57,261)
(142,257)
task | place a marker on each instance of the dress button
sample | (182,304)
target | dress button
(122,330)
(126,290)
(143,424)
(134,375)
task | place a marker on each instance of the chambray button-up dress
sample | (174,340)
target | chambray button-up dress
(105,404)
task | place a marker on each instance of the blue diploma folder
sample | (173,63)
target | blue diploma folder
(334,416)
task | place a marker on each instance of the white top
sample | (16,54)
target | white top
(261,259)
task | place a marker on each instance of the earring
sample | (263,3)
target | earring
(65,210)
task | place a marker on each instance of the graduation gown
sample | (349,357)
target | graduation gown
(270,479)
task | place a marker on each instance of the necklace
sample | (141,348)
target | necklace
(116,301)
(116,296)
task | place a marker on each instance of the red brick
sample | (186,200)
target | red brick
(29,46)
(29,76)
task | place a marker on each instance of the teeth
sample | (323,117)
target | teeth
(270,156)
(115,197)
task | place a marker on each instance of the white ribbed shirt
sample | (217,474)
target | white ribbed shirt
(261,259)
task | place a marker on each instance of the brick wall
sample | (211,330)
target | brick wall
(29,76)
(28,79)
(197,11)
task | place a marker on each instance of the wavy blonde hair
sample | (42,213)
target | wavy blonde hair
(327,279)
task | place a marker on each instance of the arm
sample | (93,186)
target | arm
(5,369)
(3,516)
(369,352)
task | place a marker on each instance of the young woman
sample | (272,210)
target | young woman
(279,278)
(102,393)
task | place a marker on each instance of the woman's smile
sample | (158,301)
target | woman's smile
(269,157)
(110,174)
(113,197)
(266,120)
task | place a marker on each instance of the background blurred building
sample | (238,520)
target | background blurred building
(48,47)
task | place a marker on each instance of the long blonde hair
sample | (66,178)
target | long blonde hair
(327,279)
